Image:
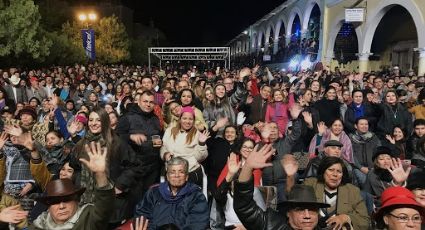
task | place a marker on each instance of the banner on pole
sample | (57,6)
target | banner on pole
(89,43)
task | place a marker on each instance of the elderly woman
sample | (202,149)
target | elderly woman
(332,187)
(399,210)
(186,141)
(335,132)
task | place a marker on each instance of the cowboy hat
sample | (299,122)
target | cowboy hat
(15,79)
(303,196)
(60,190)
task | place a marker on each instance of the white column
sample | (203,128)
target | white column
(275,46)
(363,62)
(421,67)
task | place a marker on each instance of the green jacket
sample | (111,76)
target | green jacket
(350,202)
(92,216)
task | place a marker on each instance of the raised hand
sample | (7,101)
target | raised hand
(321,127)
(13,215)
(390,139)
(259,157)
(295,110)
(97,158)
(244,72)
(397,171)
(26,140)
(221,122)
(72,129)
(3,139)
(14,130)
(240,118)
(308,118)
(233,164)
(289,164)
(203,136)
(140,224)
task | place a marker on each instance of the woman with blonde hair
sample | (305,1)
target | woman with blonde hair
(185,141)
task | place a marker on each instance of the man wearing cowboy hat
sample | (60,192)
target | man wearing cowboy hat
(62,198)
(302,205)
(14,91)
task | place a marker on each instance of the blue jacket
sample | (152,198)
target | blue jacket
(187,210)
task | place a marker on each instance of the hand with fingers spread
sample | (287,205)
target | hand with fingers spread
(72,129)
(259,158)
(220,123)
(390,139)
(97,158)
(97,162)
(12,214)
(295,110)
(308,118)
(26,141)
(289,164)
(240,118)
(3,139)
(321,127)
(140,223)
(233,165)
(138,138)
(14,130)
(203,137)
(397,171)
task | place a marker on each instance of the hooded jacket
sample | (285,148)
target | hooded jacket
(188,209)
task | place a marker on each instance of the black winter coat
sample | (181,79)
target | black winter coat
(350,118)
(391,117)
(135,121)
(251,216)
(329,110)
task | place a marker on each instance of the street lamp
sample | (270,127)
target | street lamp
(86,18)
(88,35)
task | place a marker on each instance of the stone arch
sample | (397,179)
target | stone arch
(278,27)
(307,12)
(294,12)
(380,11)
(336,26)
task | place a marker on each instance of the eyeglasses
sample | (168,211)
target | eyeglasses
(247,147)
(417,219)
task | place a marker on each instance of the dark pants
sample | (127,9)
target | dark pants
(196,177)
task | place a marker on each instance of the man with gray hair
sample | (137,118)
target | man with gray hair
(175,201)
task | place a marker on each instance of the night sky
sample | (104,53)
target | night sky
(197,22)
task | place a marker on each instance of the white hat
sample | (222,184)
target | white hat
(15,79)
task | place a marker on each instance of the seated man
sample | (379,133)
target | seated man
(62,197)
(332,149)
(302,206)
(175,201)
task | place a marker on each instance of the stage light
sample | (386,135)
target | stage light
(306,64)
(293,64)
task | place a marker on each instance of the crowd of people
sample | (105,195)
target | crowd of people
(121,147)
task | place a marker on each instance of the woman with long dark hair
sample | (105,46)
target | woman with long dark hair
(219,108)
(332,186)
(123,165)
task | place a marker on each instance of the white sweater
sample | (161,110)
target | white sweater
(193,152)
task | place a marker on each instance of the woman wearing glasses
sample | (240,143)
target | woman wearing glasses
(399,210)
